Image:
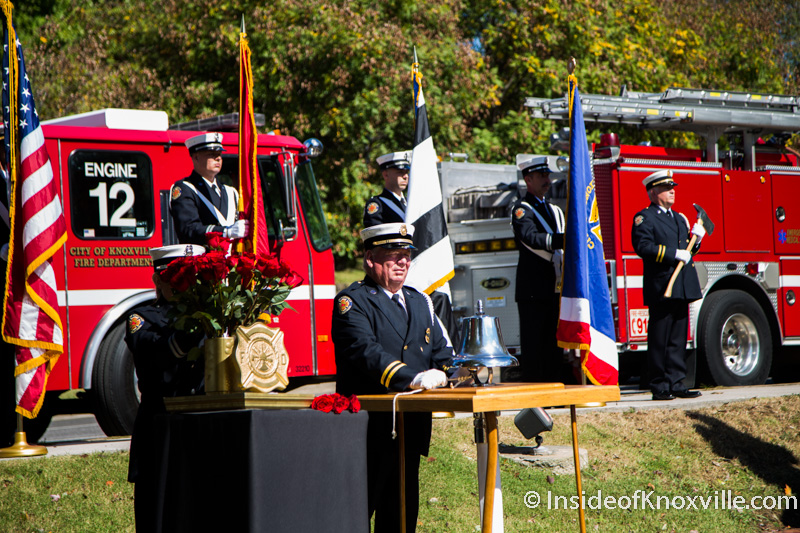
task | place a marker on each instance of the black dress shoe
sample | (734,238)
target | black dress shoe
(663,396)
(687,393)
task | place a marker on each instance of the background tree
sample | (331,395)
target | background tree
(340,70)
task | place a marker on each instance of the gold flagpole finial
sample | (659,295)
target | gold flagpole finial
(571,64)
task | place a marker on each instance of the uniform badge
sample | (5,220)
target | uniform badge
(638,220)
(519,213)
(345,303)
(135,322)
(176,192)
(403,230)
(373,208)
(428,336)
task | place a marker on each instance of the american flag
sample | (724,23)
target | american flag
(585,319)
(249,191)
(38,229)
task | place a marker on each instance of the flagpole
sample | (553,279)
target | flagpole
(20,448)
(240,207)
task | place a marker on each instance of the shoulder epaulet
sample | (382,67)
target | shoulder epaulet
(350,288)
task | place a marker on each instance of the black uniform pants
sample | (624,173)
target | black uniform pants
(541,359)
(383,478)
(667,330)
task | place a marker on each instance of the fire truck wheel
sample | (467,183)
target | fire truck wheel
(114,387)
(735,339)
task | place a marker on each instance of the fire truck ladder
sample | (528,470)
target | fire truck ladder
(706,112)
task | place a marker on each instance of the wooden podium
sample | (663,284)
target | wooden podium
(489,400)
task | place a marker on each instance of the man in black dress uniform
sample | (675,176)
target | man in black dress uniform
(387,339)
(539,231)
(390,205)
(199,203)
(163,369)
(660,237)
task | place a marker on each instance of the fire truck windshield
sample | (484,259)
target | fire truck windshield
(312,207)
(271,188)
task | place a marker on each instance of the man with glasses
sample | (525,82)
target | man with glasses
(199,203)
(387,339)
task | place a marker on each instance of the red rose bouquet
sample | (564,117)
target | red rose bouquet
(220,292)
(336,402)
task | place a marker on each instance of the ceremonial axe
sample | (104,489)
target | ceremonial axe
(703,220)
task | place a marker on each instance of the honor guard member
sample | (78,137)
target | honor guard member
(163,369)
(390,205)
(199,203)
(539,232)
(661,237)
(387,339)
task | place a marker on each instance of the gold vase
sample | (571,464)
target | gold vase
(262,362)
(219,370)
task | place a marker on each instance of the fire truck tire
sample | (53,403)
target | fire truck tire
(734,339)
(114,387)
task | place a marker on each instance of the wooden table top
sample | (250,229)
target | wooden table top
(505,396)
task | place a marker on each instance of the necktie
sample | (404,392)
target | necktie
(216,198)
(545,211)
(403,203)
(396,300)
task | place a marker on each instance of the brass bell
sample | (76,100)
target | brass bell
(482,345)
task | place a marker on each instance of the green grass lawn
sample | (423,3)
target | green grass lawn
(345,277)
(749,448)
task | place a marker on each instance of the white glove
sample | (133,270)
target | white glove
(430,379)
(698,230)
(4,253)
(239,230)
(683,255)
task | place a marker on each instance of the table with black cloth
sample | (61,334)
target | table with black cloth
(263,470)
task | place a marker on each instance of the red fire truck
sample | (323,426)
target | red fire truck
(114,169)
(749,268)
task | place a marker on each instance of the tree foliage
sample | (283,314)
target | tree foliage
(340,70)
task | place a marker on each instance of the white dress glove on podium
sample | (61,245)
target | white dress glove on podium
(430,379)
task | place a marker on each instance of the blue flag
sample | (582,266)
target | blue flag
(585,320)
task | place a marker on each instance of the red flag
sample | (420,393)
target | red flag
(250,202)
(38,230)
